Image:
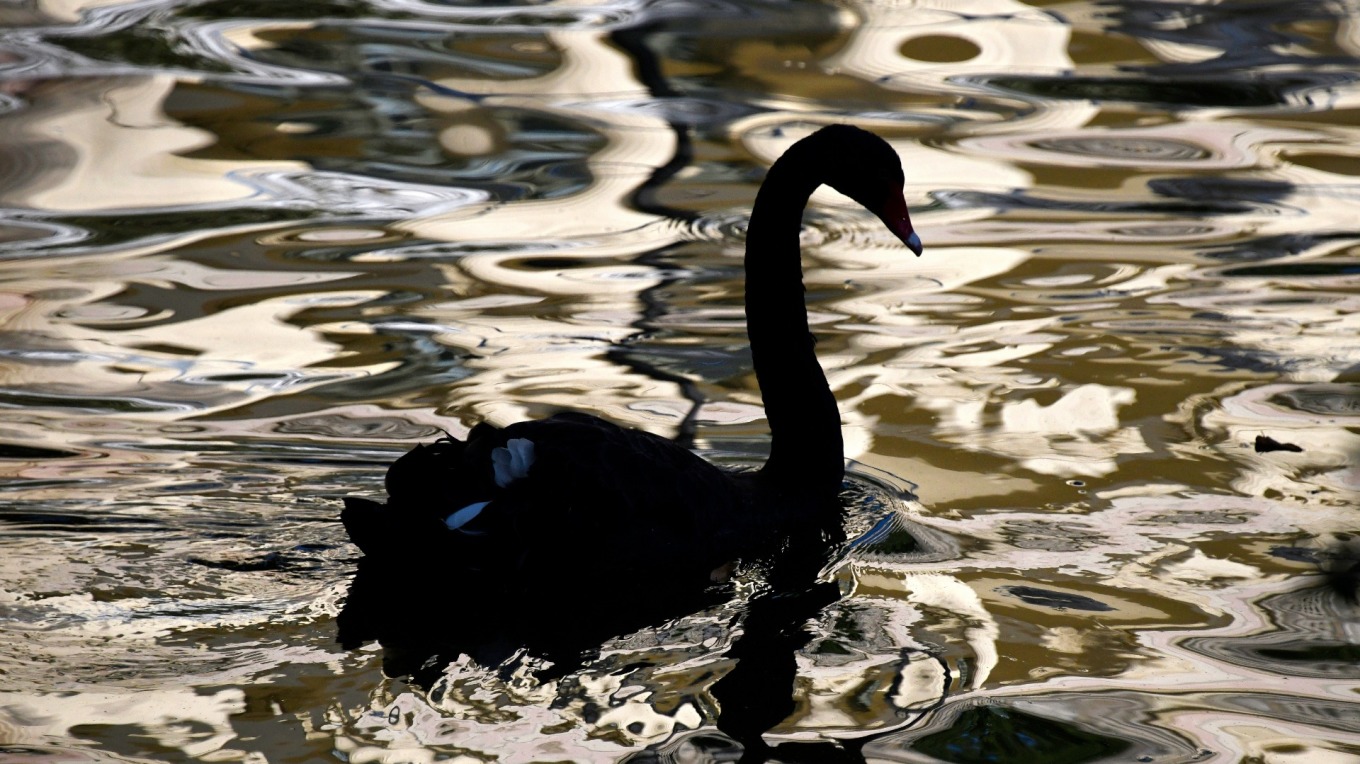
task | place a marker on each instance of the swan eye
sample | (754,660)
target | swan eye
(512,461)
(465,515)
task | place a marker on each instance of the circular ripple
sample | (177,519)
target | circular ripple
(1321,399)
(333,236)
(1165,147)
(1125,148)
(338,426)
(716,225)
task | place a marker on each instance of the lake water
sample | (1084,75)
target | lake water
(253,251)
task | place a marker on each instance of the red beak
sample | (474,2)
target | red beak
(894,215)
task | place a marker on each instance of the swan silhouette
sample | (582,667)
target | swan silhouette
(574,501)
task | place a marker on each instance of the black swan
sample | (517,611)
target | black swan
(573,502)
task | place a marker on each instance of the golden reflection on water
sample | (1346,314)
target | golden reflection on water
(249,260)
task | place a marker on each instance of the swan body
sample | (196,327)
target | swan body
(574,500)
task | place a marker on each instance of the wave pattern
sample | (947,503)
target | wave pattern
(251,251)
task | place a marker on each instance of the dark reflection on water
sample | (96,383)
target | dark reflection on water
(1264,33)
(453,145)
(1194,89)
(1197,205)
(425,621)
(992,733)
(1309,630)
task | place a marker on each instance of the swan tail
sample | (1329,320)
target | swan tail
(434,490)
(370,527)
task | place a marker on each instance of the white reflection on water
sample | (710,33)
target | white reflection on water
(116,130)
(165,716)
(248,260)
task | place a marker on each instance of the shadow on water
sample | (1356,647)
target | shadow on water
(424,621)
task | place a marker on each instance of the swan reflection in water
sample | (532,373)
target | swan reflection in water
(424,622)
(556,534)
(425,627)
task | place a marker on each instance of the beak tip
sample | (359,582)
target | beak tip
(913,243)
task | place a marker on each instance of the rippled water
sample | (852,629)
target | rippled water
(253,251)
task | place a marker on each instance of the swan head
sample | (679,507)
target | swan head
(894,215)
(865,168)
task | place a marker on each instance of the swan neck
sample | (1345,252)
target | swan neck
(806,450)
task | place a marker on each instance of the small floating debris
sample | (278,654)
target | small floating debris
(1056,600)
(1265,444)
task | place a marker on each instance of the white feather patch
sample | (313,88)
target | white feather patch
(464,516)
(512,461)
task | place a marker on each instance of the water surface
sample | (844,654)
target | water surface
(251,252)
